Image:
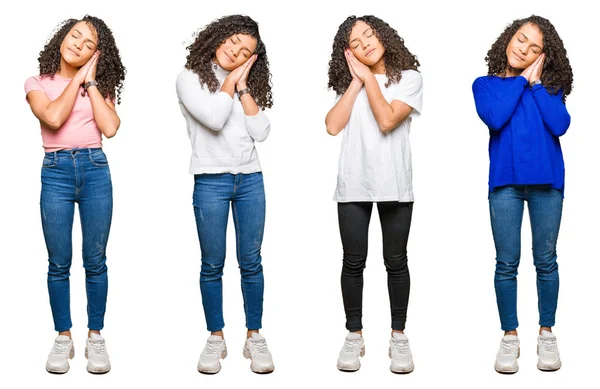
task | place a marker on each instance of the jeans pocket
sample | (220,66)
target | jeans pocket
(98,158)
(50,160)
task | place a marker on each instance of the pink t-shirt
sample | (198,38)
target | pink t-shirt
(80,129)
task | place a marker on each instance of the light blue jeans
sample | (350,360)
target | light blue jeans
(76,176)
(213,194)
(506,212)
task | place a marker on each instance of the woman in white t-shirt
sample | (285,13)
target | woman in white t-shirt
(379,90)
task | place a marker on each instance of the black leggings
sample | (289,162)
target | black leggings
(354,229)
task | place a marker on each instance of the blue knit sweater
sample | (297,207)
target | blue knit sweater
(524,125)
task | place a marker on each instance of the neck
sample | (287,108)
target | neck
(379,67)
(512,72)
(66,70)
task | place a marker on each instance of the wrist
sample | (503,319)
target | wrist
(533,83)
(89,84)
(241,85)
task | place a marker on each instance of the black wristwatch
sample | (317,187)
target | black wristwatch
(90,83)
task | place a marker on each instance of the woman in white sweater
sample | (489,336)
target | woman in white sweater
(222,94)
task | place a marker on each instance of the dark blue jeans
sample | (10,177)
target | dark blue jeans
(506,212)
(76,176)
(213,193)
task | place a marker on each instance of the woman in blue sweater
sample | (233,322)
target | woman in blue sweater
(522,102)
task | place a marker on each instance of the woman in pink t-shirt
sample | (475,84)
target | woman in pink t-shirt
(81,77)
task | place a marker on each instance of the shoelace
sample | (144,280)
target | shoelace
(212,347)
(549,345)
(509,347)
(400,346)
(98,347)
(60,348)
(260,346)
(351,346)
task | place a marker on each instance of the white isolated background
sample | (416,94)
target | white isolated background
(154,324)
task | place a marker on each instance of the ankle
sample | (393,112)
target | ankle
(511,332)
(250,332)
(397,332)
(65,333)
(549,329)
(217,333)
(90,332)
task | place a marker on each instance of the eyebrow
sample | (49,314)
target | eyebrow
(528,39)
(363,33)
(88,40)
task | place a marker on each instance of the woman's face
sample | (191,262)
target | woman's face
(525,46)
(364,44)
(235,51)
(79,45)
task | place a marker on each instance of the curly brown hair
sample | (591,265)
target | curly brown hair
(203,49)
(557,74)
(396,57)
(110,71)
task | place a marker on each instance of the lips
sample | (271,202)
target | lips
(71,50)
(369,52)
(228,57)
(518,57)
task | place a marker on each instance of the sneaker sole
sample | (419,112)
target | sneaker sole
(402,369)
(258,369)
(62,369)
(506,369)
(351,368)
(96,370)
(212,369)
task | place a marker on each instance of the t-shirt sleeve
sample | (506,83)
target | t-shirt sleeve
(31,84)
(410,91)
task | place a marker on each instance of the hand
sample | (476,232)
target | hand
(536,73)
(354,76)
(527,73)
(82,73)
(358,68)
(236,75)
(241,84)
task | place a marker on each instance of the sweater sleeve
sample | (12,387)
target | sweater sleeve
(552,109)
(210,109)
(496,104)
(258,126)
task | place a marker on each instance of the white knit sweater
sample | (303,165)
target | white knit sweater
(222,136)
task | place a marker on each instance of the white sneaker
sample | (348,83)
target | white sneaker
(509,352)
(95,352)
(402,361)
(62,351)
(549,357)
(214,350)
(256,350)
(354,347)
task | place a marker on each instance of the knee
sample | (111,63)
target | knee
(95,266)
(211,270)
(507,265)
(396,263)
(545,263)
(250,268)
(58,270)
(354,264)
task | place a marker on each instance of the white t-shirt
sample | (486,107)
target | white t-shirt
(221,134)
(373,165)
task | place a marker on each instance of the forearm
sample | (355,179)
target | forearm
(382,111)
(105,116)
(495,107)
(552,109)
(338,116)
(57,111)
(249,105)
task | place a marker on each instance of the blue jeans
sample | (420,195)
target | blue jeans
(212,195)
(506,213)
(76,176)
